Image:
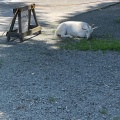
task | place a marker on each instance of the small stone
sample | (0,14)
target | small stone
(59,107)
(32,73)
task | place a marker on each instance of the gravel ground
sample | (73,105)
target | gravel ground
(38,81)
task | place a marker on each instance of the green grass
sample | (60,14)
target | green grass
(53,31)
(51,99)
(116,118)
(118,105)
(103,111)
(1,62)
(93,45)
(117,20)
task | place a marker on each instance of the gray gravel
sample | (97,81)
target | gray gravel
(40,82)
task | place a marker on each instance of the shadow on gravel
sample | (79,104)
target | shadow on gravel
(107,20)
(38,82)
(6,14)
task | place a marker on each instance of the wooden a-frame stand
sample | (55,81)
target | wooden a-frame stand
(31,29)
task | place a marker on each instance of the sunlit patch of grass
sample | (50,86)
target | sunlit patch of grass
(93,45)
(53,31)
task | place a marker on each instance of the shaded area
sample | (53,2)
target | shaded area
(6,14)
(107,20)
(49,14)
(40,82)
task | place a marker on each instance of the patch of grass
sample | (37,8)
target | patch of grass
(93,45)
(116,118)
(118,105)
(53,31)
(1,62)
(52,99)
(117,20)
(103,111)
(107,36)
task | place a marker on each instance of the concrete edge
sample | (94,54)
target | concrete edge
(102,7)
